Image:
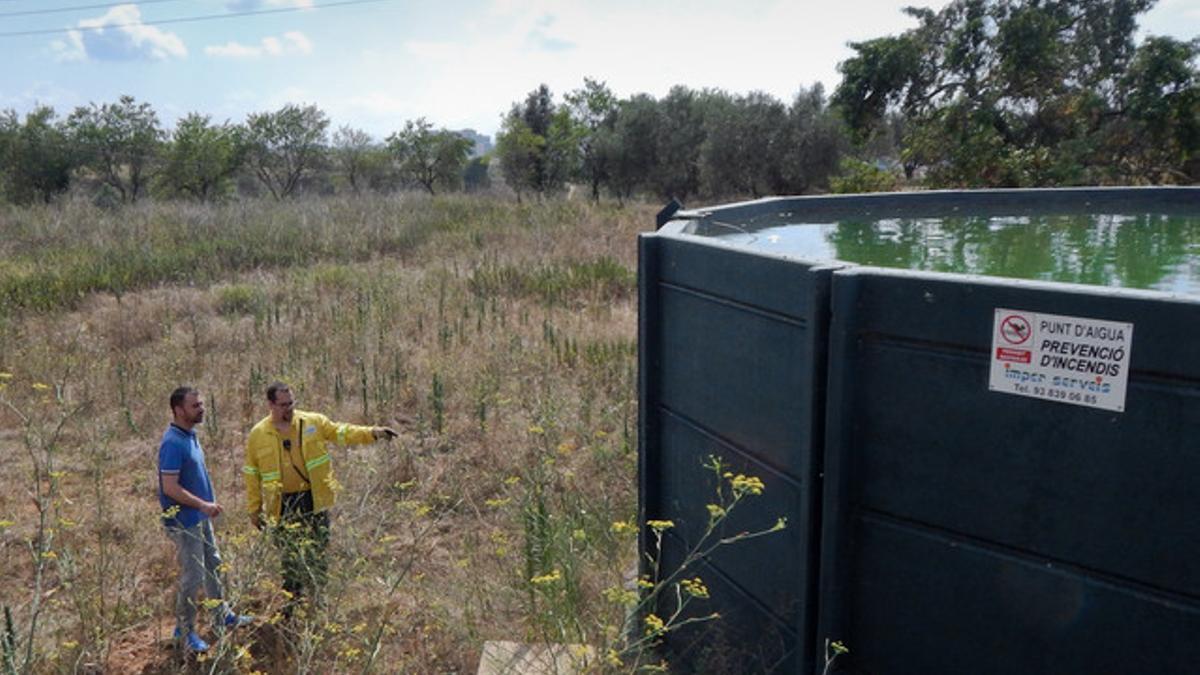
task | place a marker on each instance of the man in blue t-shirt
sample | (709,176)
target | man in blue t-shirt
(186,495)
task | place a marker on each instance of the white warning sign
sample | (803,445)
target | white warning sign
(1061,358)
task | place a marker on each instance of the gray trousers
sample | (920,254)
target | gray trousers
(199,560)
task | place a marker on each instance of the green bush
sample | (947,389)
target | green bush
(857,176)
(241,300)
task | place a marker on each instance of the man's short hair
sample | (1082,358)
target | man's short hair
(275,388)
(180,394)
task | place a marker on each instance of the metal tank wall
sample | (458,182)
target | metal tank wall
(731,358)
(933,525)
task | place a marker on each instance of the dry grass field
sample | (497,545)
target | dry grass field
(498,338)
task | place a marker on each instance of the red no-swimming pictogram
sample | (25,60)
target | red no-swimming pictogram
(1015,329)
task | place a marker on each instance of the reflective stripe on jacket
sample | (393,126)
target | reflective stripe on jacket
(264,451)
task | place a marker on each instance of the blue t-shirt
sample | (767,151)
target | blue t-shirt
(180,453)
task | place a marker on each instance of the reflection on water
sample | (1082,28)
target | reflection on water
(1154,251)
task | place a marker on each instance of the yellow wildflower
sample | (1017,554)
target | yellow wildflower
(415,507)
(566,448)
(694,587)
(645,583)
(579,534)
(212,603)
(654,625)
(743,484)
(622,527)
(579,651)
(497,503)
(242,654)
(6,524)
(6,376)
(512,480)
(536,429)
(545,579)
(614,659)
(660,525)
(41,386)
(620,596)
(49,555)
(715,511)
(70,644)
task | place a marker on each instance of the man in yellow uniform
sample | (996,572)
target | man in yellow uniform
(290,484)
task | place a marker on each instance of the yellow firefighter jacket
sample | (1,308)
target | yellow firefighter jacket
(264,452)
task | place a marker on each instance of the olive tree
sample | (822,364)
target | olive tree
(118,142)
(284,146)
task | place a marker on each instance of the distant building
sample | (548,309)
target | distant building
(481,144)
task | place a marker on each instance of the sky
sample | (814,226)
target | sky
(373,64)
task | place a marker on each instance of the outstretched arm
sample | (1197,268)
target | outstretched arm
(352,434)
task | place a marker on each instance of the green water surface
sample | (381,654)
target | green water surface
(1149,251)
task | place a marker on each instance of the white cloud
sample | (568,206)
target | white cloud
(774,46)
(290,44)
(299,41)
(118,35)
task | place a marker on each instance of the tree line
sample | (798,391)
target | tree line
(122,153)
(984,93)
(689,143)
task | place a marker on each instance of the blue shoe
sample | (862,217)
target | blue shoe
(232,621)
(192,643)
